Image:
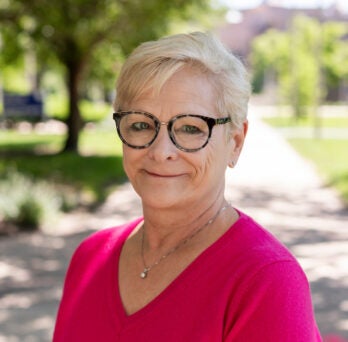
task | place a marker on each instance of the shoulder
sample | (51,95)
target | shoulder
(251,252)
(258,242)
(268,270)
(101,244)
(271,289)
(95,253)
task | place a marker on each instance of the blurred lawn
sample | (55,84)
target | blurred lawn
(56,106)
(331,159)
(329,155)
(289,121)
(92,174)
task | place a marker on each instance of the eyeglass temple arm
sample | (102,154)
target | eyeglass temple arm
(221,121)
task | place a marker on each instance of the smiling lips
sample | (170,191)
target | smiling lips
(154,174)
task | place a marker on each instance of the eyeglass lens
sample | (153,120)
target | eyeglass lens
(187,132)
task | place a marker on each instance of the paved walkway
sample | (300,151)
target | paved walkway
(271,183)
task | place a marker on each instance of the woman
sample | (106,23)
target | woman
(193,268)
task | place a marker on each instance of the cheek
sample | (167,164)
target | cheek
(218,150)
(212,161)
(129,160)
(125,163)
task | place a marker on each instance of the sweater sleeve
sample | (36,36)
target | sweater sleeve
(274,305)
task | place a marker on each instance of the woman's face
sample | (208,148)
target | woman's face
(165,176)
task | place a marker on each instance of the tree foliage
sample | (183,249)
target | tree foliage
(80,34)
(306,60)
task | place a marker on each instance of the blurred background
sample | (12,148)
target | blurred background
(60,158)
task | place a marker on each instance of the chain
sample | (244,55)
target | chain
(147,269)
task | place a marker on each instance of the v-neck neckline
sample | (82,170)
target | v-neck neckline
(181,280)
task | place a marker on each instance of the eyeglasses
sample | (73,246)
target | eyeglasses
(188,132)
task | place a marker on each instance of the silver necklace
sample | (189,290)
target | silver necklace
(147,269)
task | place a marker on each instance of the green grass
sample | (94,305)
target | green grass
(91,175)
(56,106)
(330,158)
(329,155)
(91,142)
(100,143)
(288,121)
(14,142)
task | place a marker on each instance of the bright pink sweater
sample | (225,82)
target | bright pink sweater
(246,287)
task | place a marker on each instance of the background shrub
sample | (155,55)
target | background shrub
(26,203)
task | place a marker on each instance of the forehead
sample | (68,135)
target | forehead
(187,91)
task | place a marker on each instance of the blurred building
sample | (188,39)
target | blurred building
(270,14)
(243,26)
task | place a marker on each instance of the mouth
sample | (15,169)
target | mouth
(162,175)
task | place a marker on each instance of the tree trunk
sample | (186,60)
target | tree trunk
(74,121)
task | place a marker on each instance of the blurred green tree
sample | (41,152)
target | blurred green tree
(77,33)
(335,54)
(305,61)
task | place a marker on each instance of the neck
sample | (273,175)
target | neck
(163,228)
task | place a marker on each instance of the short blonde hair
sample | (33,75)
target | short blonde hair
(152,63)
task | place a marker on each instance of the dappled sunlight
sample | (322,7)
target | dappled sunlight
(31,277)
(331,262)
(8,271)
(16,301)
(120,206)
(343,325)
(29,313)
(44,322)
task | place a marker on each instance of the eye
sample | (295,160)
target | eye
(140,126)
(190,129)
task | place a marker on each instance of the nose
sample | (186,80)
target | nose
(163,148)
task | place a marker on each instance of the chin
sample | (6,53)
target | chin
(159,202)
(161,199)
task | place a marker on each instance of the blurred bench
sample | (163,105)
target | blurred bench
(22,107)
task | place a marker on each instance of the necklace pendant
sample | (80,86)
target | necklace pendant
(143,274)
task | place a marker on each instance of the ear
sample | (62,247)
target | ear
(237,136)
